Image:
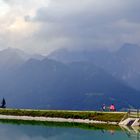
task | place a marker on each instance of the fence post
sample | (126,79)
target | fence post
(128,113)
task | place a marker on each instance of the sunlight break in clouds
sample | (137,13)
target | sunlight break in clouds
(4,8)
(14,29)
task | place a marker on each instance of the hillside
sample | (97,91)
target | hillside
(51,84)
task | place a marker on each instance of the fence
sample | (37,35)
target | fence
(133,113)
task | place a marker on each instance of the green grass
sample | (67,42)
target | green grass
(92,115)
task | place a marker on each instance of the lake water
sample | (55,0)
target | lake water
(35,132)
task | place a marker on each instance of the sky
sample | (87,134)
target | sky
(42,26)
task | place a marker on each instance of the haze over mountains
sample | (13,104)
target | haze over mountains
(123,64)
(71,79)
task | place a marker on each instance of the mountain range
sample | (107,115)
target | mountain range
(71,80)
(123,64)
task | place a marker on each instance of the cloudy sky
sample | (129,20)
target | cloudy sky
(41,26)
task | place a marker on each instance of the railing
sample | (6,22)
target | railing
(133,113)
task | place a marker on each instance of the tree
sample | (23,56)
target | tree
(3,103)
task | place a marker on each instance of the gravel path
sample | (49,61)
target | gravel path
(54,119)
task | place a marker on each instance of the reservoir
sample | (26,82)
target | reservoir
(15,131)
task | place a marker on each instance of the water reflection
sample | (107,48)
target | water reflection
(132,132)
(35,132)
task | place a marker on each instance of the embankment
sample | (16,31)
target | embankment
(62,116)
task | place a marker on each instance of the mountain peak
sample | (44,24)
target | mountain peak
(129,46)
(129,50)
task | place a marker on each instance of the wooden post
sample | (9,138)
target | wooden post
(128,113)
(138,136)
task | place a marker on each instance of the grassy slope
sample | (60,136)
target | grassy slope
(92,115)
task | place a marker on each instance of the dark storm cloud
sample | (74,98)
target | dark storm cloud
(96,24)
